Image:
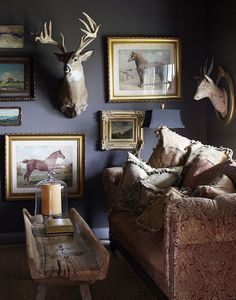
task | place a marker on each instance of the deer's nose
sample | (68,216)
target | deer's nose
(67,69)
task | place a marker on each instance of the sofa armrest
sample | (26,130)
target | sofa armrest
(198,220)
(111,179)
(200,243)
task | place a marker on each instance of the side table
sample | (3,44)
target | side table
(78,258)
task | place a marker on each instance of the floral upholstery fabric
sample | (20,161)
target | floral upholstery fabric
(194,257)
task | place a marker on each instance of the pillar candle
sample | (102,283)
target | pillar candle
(51,199)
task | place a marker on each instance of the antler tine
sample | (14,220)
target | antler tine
(211,67)
(45,37)
(90,31)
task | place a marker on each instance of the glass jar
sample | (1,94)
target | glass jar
(51,199)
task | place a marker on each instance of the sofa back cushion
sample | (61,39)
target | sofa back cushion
(171,149)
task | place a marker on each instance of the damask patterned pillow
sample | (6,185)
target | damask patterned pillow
(171,149)
(152,218)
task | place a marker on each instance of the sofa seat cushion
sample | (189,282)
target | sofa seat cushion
(145,246)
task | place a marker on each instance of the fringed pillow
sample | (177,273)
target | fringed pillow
(171,149)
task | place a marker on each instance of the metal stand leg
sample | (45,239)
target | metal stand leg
(85,291)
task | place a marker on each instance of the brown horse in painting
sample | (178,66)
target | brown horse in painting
(41,165)
(142,64)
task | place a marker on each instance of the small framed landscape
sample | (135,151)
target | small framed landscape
(143,69)
(10,116)
(29,158)
(11,36)
(121,129)
(16,77)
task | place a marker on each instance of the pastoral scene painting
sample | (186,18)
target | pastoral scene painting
(11,36)
(10,116)
(12,77)
(122,130)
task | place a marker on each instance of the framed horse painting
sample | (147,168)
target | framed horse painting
(29,158)
(144,69)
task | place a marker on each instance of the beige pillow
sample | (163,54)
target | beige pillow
(223,186)
(152,218)
(163,178)
(171,149)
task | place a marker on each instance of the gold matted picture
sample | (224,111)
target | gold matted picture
(29,158)
(143,69)
(121,129)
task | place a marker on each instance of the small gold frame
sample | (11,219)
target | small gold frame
(20,148)
(121,129)
(130,80)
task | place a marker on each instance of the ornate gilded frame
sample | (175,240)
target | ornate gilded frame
(121,129)
(161,54)
(17,77)
(20,148)
(225,80)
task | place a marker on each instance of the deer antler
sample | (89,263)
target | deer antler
(45,37)
(90,33)
(205,71)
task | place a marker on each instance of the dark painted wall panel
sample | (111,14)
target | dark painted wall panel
(118,18)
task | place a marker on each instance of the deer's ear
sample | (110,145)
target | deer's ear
(85,55)
(208,78)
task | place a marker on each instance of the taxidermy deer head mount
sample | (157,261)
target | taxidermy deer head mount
(207,88)
(72,94)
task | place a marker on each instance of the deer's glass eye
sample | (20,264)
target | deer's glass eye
(75,59)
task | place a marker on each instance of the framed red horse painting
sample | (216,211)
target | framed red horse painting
(29,158)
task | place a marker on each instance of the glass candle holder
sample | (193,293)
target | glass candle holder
(51,199)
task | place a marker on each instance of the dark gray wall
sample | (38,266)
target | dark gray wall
(221,45)
(183,19)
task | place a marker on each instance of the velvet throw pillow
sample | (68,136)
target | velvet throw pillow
(171,149)
(202,157)
(214,174)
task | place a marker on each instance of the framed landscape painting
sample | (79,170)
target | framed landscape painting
(16,77)
(121,129)
(10,116)
(143,69)
(11,36)
(29,158)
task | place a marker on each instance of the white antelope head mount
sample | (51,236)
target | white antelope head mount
(207,88)
(72,94)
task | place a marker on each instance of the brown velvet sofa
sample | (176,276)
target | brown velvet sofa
(192,255)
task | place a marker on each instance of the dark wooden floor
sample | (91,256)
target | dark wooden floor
(122,282)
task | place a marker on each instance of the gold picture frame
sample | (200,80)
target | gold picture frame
(143,69)
(121,129)
(66,151)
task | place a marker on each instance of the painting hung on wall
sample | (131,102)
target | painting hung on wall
(10,116)
(144,69)
(16,77)
(29,158)
(121,129)
(11,36)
